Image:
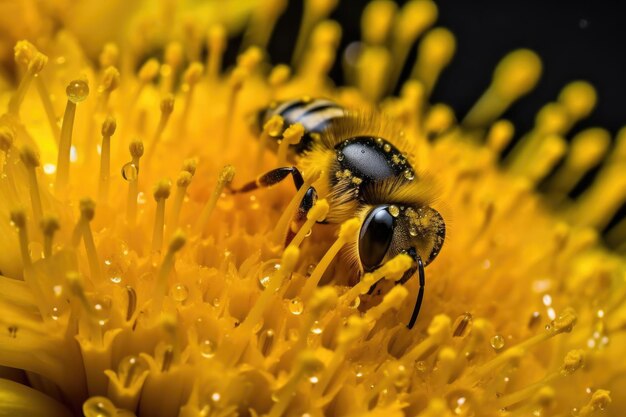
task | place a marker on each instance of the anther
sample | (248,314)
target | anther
(600,399)
(190,165)
(136,151)
(110,81)
(516,74)
(392,300)
(108,129)
(161,193)
(317,213)
(49,225)
(173,59)
(291,136)
(160,290)
(87,213)
(438,331)
(435,53)
(216,42)
(35,65)
(347,232)
(18,217)
(31,161)
(250,59)
(225,177)
(167,108)
(579,99)
(183,181)
(499,136)
(271,128)
(76,91)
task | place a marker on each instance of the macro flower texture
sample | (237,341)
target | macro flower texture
(135,282)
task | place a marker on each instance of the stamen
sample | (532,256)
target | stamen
(306,364)
(225,177)
(160,288)
(192,76)
(282,226)
(392,300)
(147,74)
(438,331)
(414,18)
(355,329)
(413,95)
(499,136)
(262,22)
(76,91)
(314,12)
(35,66)
(131,174)
(183,181)
(317,213)
(110,81)
(586,151)
(108,129)
(291,136)
(216,43)
(393,373)
(516,74)
(574,360)
(161,193)
(600,399)
(579,99)
(372,69)
(278,77)
(347,232)
(434,54)
(109,55)
(271,129)
(18,217)
(190,165)
(540,163)
(167,108)
(87,213)
(49,225)
(77,288)
(235,83)
(30,159)
(439,119)
(446,362)
(173,59)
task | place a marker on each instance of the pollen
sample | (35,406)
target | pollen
(139,284)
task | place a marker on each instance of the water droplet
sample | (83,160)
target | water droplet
(215,302)
(310,269)
(314,379)
(130,172)
(358,372)
(130,368)
(265,281)
(387,147)
(316,328)
(420,366)
(54,313)
(394,210)
(180,292)
(102,309)
(547,300)
(207,348)
(459,403)
(413,231)
(340,156)
(98,407)
(402,377)
(216,396)
(409,175)
(116,279)
(535,318)
(379,141)
(49,169)
(267,270)
(296,306)
(77,91)
(497,342)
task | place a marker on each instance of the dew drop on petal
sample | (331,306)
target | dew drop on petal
(207,348)
(129,172)
(130,368)
(179,292)
(296,306)
(98,407)
(497,342)
(316,328)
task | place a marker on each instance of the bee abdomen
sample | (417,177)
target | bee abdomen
(314,115)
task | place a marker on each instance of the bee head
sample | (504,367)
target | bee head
(389,230)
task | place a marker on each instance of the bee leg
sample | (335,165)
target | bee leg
(270,178)
(308,201)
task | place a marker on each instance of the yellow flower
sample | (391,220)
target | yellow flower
(133,283)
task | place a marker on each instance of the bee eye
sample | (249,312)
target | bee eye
(375,237)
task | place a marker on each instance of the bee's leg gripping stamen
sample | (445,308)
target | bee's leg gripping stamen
(420,294)
(307,202)
(270,178)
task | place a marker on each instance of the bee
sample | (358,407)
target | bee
(364,173)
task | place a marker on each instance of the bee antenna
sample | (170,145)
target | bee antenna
(420,295)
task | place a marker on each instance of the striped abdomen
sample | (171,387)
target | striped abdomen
(314,114)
